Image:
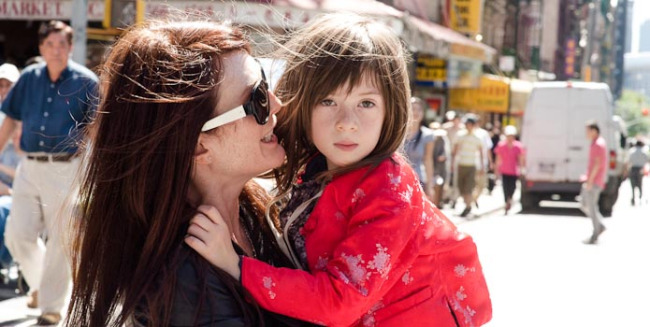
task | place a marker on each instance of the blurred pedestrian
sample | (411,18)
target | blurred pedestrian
(468,155)
(637,160)
(452,126)
(9,160)
(594,180)
(482,177)
(495,135)
(441,155)
(419,147)
(509,162)
(53,100)
(9,74)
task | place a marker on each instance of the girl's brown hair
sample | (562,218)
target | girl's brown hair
(159,84)
(331,51)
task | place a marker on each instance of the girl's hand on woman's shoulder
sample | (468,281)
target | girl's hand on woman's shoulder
(208,235)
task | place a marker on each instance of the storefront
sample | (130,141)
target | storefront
(444,60)
(495,99)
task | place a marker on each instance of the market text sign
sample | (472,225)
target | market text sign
(47,9)
(430,69)
(465,16)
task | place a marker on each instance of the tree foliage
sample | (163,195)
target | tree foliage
(630,107)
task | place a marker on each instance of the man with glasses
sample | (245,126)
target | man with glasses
(53,100)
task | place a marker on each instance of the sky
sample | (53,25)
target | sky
(641,14)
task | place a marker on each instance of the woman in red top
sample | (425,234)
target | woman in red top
(510,160)
(376,251)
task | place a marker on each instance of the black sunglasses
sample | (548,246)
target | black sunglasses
(257,106)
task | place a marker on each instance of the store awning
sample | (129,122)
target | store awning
(421,35)
(442,41)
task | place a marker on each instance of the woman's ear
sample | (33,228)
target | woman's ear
(201,153)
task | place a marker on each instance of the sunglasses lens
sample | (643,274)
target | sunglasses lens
(260,102)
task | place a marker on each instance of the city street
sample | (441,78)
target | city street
(538,270)
(541,274)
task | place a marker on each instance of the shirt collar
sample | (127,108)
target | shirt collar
(65,74)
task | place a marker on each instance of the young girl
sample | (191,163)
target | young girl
(376,251)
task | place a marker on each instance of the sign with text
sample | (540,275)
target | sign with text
(465,16)
(47,10)
(570,58)
(430,70)
(490,96)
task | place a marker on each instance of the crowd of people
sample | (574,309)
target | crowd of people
(133,201)
(458,158)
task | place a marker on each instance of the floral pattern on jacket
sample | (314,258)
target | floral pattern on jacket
(380,254)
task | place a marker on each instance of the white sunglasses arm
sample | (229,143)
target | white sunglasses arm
(225,118)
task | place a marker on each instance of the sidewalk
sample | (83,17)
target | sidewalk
(487,204)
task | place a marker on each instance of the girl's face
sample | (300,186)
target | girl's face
(345,127)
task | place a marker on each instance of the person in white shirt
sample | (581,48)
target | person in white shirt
(637,160)
(467,149)
(481,179)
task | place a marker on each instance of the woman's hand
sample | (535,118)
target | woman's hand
(208,235)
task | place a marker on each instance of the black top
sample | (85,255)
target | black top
(213,297)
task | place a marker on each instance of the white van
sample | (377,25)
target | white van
(557,149)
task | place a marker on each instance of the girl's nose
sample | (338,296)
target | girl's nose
(346,121)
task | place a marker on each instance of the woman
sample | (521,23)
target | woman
(510,161)
(441,153)
(419,147)
(185,119)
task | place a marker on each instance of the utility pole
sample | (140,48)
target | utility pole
(79,22)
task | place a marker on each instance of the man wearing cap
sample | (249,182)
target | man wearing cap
(467,153)
(509,162)
(53,100)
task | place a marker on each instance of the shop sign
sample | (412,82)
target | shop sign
(430,70)
(491,96)
(465,16)
(570,58)
(47,9)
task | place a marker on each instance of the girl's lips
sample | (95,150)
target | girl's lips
(346,146)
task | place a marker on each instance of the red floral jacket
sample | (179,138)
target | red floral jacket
(379,254)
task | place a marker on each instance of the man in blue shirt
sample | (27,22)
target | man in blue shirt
(53,100)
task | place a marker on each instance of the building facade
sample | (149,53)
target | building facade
(644,37)
(637,73)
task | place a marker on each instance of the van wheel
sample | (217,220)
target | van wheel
(529,200)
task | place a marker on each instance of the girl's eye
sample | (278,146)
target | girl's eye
(327,102)
(367,104)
